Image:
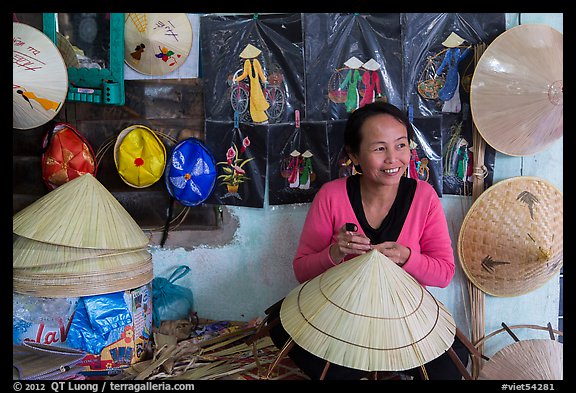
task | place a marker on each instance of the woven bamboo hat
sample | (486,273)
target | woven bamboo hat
(80,213)
(511,239)
(536,359)
(58,285)
(140,156)
(368,314)
(32,253)
(516,94)
(157,43)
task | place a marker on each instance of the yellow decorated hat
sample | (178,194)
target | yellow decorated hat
(140,156)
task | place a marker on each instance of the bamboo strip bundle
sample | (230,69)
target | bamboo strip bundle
(476,296)
(368,314)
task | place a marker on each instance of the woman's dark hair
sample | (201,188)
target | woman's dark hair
(352,134)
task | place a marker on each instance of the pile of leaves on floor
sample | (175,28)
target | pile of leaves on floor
(198,349)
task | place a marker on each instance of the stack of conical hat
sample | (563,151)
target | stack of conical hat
(78,240)
(368,314)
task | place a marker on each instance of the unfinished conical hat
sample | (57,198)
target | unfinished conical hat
(511,240)
(453,41)
(369,314)
(516,94)
(80,213)
(39,78)
(526,360)
(353,63)
(140,156)
(157,44)
(371,65)
(250,52)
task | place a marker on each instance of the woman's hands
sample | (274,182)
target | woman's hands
(349,242)
(397,253)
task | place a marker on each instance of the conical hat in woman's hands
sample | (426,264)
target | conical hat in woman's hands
(369,314)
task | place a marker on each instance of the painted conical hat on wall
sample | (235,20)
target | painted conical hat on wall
(511,240)
(516,94)
(157,44)
(28,253)
(80,213)
(368,314)
(536,359)
(39,78)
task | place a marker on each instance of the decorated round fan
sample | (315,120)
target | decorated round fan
(516,96)
(39,78)
(157,44)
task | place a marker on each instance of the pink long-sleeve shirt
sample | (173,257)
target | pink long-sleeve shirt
(425,232)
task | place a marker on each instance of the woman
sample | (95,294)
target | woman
(400,217)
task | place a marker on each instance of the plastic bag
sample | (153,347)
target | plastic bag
(94,318)
(171,302)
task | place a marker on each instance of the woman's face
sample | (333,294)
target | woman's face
(384,152)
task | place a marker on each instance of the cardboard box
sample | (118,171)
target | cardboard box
(47,321)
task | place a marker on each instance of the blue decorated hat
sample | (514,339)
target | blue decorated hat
(191,172)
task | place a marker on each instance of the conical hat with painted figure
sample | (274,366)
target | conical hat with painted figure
(80,213)
(511,241)
(516,94)
(39,78)
(157,43)
(369,314)
(140,156)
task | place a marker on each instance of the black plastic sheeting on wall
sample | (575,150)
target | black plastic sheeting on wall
(278,38)
(324,66)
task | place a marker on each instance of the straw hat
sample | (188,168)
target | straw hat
(157,44)
(67,155)
(82,284)
(516,95)
(31,253)
(191,173)
(140,156)
(81,213)
(67,51)
(536,359)
(250,52)
(39,78)
(369,314)
(511,239)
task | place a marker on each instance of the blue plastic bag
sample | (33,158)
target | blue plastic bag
(171,302)
(94,318)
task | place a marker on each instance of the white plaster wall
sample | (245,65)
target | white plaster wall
(239,280)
